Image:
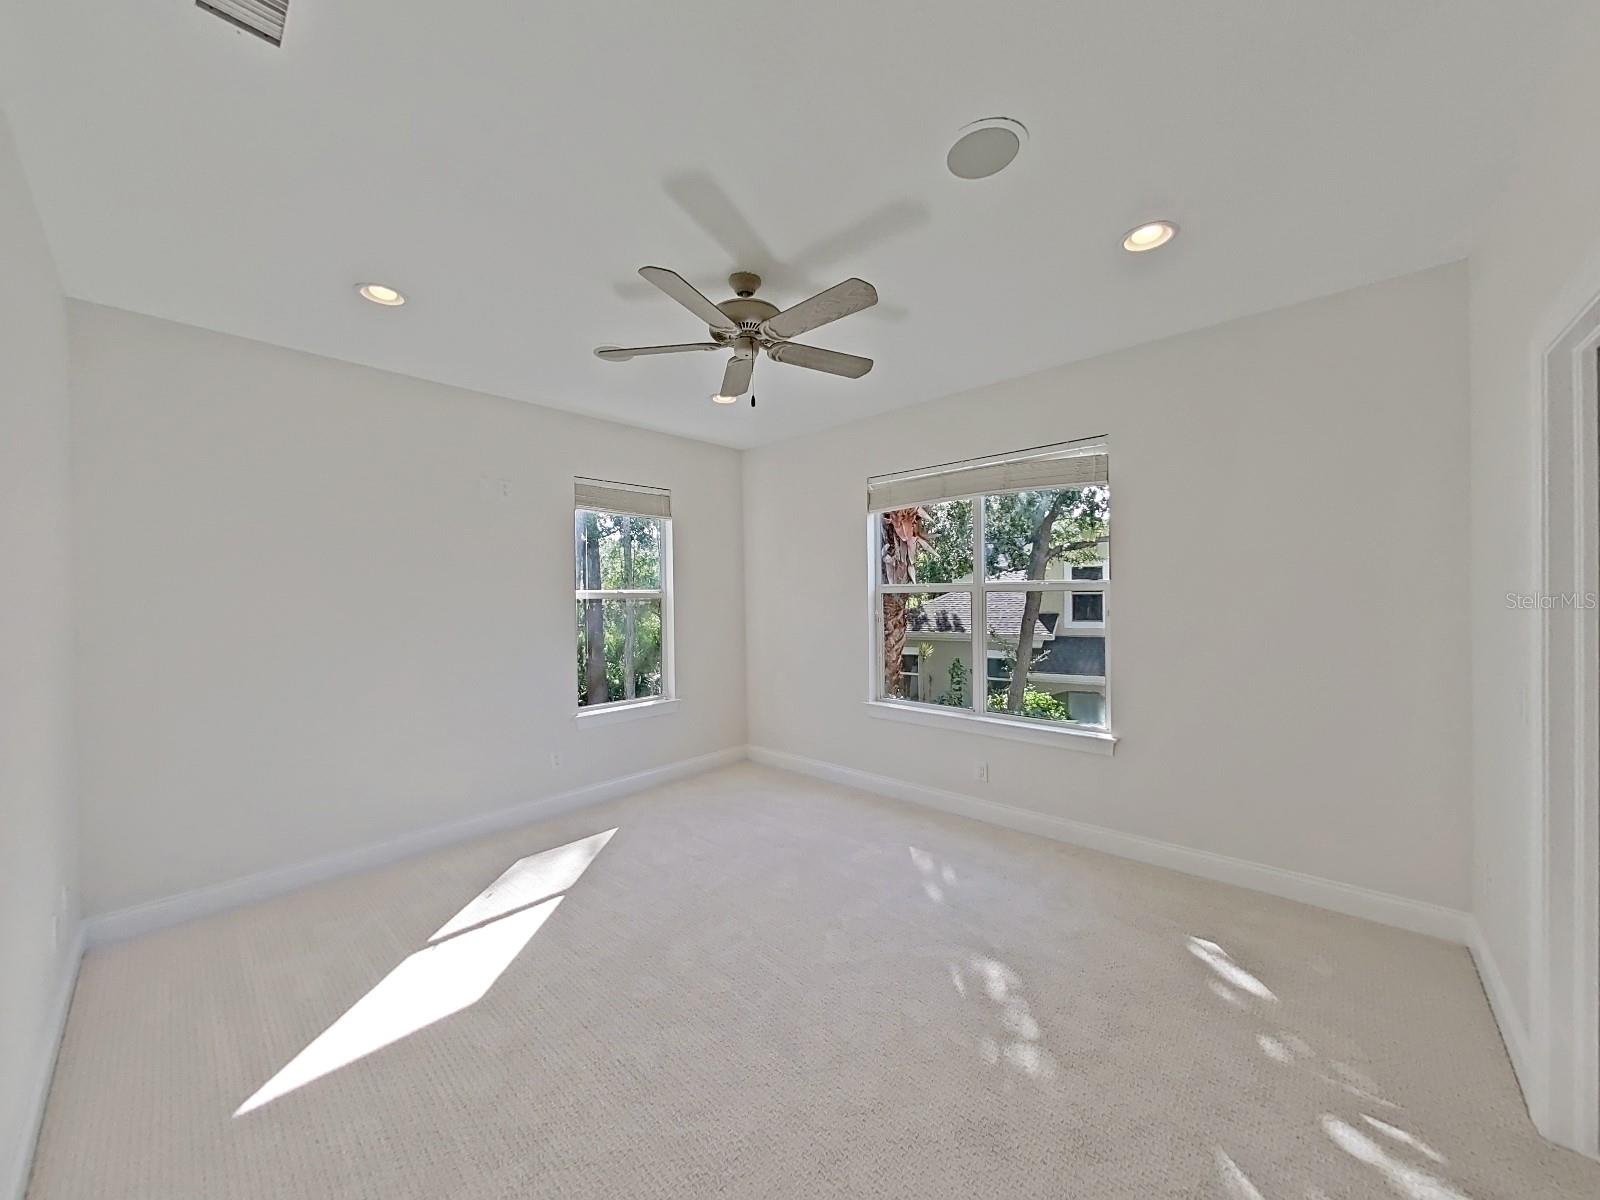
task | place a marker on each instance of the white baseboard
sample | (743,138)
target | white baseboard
(14,1174)
(186,906)
(1513,1030)
(1417,916)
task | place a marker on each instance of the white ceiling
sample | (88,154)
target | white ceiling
(510,165)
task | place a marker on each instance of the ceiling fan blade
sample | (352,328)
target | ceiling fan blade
(681,290)
(736,379)
(814,358)
(840,300)
(624,353)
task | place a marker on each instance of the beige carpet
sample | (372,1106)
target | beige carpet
(760,985)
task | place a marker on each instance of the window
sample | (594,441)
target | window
(911,675)
(1004,562)
(1089,606)
(999,677)
(622,541)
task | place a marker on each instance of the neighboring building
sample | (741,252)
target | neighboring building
(1069,644)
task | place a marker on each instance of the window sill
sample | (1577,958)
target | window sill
(1091,741)
(625,710)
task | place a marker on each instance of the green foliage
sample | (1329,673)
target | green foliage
(1011,522)
(630,550)
(1041,706)
(956,697)
(646,647)
(947,557)
(615,551)
(940,549)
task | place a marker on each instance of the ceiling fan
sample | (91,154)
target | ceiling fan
(747,326)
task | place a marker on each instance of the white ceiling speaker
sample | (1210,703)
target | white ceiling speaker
(986,147)
(748,326)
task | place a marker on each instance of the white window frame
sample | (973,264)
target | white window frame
(989,675)
(915,653)
(975,717)
(1067,625)
(667,701)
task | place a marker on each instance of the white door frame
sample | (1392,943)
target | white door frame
(1564,1095)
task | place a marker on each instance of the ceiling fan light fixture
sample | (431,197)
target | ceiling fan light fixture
(381,293)
(986,147)
(750,327)
(1150,236)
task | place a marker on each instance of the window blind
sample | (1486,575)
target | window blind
(636,500)
(1076,464)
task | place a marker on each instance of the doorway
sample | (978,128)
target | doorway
(1566,952)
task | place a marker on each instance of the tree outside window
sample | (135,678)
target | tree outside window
(621,644)
(1042,590)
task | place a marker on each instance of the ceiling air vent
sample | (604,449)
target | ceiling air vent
(264,18)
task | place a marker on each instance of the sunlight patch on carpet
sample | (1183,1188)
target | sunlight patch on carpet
(1220,961)
(1411,1182)
(536,877)
(456,970)
(1235,1180)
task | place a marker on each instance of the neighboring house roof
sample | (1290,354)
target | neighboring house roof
(952,613)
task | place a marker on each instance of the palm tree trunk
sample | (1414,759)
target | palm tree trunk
(894,642)
(898,537)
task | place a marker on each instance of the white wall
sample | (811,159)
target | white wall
(38,856)
(305,628)
(1527,281)
(1289,626)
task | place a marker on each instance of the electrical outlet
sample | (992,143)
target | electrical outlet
(982,772)
(555,760)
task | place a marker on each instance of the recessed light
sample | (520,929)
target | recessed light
(986,147)
(1149,236)
(381,293)
(719,398)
